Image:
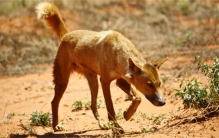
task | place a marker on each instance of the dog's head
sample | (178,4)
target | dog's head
(147,80)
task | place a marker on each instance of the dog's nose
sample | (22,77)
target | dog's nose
(156,101)
(161,103)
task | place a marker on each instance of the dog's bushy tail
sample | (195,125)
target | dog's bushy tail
(50,13)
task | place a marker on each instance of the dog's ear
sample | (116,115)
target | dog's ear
(134,67)
(159,62)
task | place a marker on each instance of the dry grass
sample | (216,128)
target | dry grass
(169,25)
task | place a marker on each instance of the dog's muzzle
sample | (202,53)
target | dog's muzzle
(156,101)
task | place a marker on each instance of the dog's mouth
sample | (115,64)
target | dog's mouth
(156,101)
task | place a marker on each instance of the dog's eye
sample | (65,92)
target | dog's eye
(149,83)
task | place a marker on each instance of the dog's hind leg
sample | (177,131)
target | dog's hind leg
(136,99)
(61,74)
(109,105)
(93,84)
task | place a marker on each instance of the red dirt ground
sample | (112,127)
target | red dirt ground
(22,95)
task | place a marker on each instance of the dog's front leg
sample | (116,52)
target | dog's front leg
(136,99)
(109,105)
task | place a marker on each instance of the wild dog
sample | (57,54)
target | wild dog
(108,54)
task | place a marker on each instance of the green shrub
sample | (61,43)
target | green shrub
(39,118)
(78,105)
(197,96)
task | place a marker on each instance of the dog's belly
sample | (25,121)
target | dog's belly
(89,69)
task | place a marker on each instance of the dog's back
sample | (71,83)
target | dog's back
(91,50)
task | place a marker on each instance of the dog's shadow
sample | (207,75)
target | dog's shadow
(80,134)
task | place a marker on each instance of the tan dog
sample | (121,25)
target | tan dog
(108,54)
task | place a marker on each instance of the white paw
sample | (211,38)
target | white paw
(103,125)
(59,127)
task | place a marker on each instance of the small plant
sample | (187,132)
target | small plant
(177,42)
(187,40)
(188,35)
(78,105)
(151,117)
(119,115)
(143,115)
(111,124)
(99,103)
(39,118)
(157,120)
(197,96)
(9,116)
(146,130)
(21,114)
(184,7)
(87,105)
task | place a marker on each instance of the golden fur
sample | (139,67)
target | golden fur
(108,54)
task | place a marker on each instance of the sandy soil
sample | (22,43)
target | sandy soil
(22,95)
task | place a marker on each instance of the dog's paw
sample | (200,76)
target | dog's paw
(118,130)
(59,127)
(103,125)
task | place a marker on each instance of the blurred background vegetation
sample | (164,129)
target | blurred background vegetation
(154,26)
